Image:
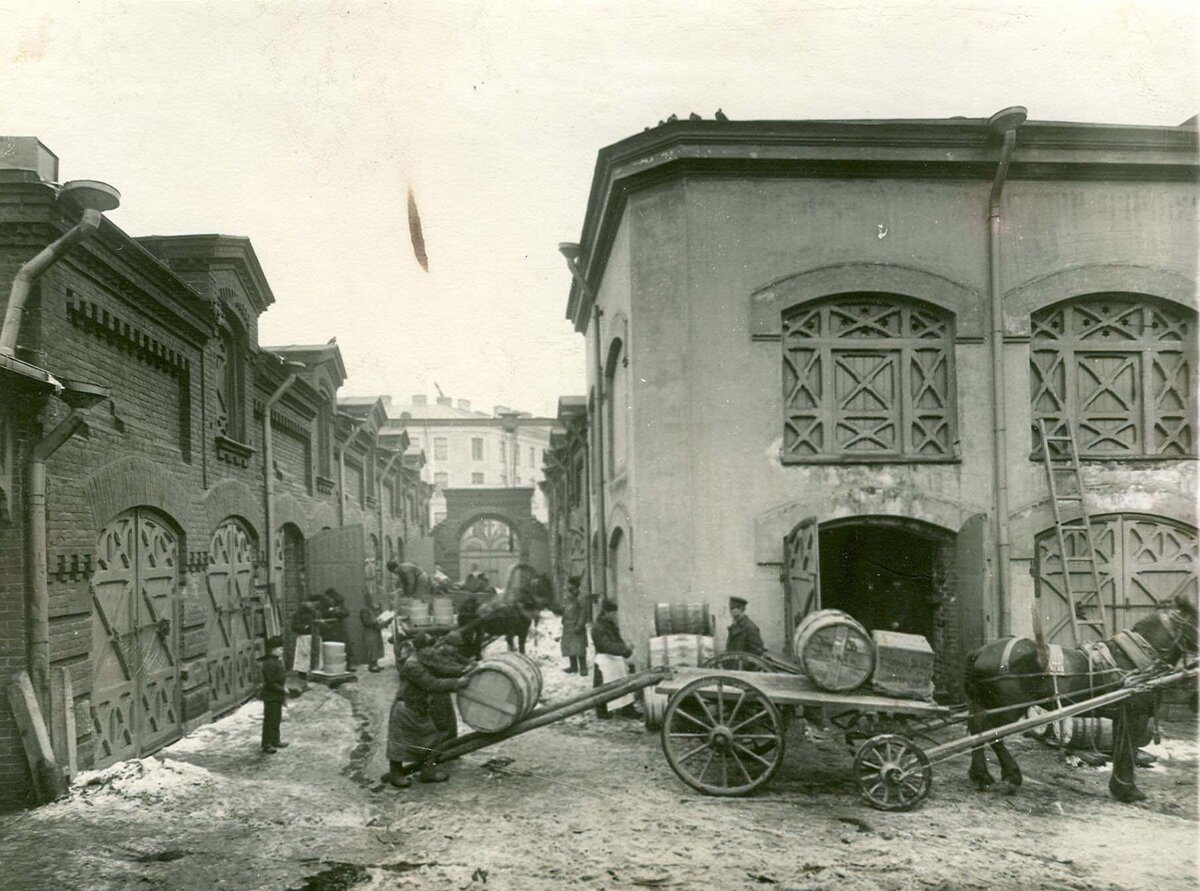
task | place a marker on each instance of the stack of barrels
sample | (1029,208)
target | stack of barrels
(412,611)
(684,637)
(501,691)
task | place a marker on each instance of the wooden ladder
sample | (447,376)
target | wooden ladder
(1073,525)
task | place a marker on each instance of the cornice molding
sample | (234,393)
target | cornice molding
(947,149)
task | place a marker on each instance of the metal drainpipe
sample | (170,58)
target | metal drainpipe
(269,476)
(570,253)
(39,588)
(1006,122)
(29,273)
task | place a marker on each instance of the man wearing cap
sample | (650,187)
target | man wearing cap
(743,636)
(274,694)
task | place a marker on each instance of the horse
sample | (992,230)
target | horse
(515,609)
(1013,672)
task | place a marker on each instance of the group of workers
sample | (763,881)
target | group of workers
(422,717)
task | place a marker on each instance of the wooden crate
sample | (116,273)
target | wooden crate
(903,665)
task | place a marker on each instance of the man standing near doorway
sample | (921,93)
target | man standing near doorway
(743,636)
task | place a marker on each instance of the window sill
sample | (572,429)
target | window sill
(325,485)
(867,459)
(1036,458)
(233,452)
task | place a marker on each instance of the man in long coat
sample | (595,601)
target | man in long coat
(575,615)
(413,737)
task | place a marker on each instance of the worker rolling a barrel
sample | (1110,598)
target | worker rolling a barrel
(743,636)
(413,732)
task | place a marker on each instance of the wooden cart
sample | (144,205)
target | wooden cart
(723,732)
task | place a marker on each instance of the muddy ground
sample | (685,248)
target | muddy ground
(581,804)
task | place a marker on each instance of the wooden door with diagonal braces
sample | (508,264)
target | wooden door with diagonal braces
(135,594)
(232,668)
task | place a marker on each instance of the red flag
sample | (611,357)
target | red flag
(414,231)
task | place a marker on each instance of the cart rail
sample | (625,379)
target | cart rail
(795,689)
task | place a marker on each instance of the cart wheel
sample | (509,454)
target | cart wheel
(893,773)
(722,735)
(737,662)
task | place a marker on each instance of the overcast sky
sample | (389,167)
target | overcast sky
(301,125)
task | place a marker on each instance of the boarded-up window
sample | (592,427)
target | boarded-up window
(1121,367)
(868,376)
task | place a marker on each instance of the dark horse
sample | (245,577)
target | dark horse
(1010,672)
(514,611)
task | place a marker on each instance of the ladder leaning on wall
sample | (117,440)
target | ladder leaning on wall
(1081,574)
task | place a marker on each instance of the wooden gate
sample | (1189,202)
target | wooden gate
(801,575)
(232,663)
(337,559)
(135,686)
(1143,561)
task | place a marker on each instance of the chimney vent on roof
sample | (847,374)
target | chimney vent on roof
(419,399)
(28,153)
(464,404)
(445,400)
(501,410)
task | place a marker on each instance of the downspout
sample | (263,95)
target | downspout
(269,477)
(29,273)
(1005,122)
(39,588)
(379,485)
(571,252)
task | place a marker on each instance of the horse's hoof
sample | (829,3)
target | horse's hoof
(982,783)
(1126,794)
(1010,788)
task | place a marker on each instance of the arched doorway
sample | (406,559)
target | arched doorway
(888,573)
(1143,561)
(489,545)
(135,669)
(289,571)
(232,665)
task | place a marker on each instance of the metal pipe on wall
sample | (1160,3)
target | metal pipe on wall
(269,478)
(1006,122)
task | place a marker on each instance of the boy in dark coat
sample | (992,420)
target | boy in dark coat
(274,694)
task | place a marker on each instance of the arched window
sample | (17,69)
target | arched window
(868,377)
(1121,367)
(228,375)
(616,404)
(325,434)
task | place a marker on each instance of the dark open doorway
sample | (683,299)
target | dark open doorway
(886,573)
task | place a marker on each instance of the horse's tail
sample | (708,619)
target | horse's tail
(970,681)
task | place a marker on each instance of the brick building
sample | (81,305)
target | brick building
(819,351)
(136,387)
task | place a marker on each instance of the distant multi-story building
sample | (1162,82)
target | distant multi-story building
(494,461)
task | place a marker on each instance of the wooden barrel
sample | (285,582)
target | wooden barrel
(333,657)
(502,690)
(834,649)
(681,618)
(653,707)
(679,649)
(443,611)
(414,612)
(1091,733)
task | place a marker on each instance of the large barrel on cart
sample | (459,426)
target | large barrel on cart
(500,692)
(834,649)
